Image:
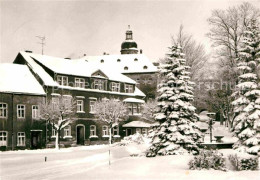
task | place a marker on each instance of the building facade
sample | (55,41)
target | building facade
(41,78)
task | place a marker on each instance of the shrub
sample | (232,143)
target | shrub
(208,159)
(244,163)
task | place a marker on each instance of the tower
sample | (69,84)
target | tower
(129,46)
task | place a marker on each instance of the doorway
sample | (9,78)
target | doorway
(80,131)
(36,139)
(128,132)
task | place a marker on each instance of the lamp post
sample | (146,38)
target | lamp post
(210,115)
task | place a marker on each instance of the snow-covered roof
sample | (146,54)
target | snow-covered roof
(36,68)
(124,63)
(16,78)
(79,67)
(133,100)
(138,124)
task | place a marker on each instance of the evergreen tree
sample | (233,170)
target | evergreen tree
(176,132)
(247,102)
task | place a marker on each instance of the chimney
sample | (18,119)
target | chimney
(141,51)
(67,58)
(85,54)
(104,53)
(28,51)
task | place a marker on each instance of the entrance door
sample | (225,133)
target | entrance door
(36,139)
(128,132)
(80,135)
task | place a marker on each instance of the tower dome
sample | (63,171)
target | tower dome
(129,46)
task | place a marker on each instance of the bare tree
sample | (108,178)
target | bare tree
(195,53)
(227,27)
(149,109)
(110,111)
(59,112)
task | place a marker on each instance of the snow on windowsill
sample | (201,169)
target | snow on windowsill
(67,137)
(93,136)
(117,136)
(92,113)
(80,111)
(105,136)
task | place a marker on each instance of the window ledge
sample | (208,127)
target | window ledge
(93,136)
(67,137)
(80,112)
(116,136)
(92,113)
(105,136)
(53,136)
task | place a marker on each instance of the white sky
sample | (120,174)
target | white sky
(74,28)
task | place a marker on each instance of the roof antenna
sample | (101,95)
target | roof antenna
(42,38)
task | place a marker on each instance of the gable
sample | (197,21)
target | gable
(99,74)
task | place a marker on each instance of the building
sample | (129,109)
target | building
(135,65)
(40,78)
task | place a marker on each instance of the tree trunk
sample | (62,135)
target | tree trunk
(57,140)
(110,141)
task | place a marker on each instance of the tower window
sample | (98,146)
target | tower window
(125,68)
(119,60)
(135,59)
(145,67)
(102,60)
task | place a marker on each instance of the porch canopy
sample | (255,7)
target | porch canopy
(133,100)
(137,124)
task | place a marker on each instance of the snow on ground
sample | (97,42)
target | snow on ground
(92,162)
(220,130)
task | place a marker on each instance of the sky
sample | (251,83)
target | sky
(74,28)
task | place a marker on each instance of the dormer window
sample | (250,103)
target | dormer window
(125,68)
(145,67)
(99,84)
(62,80)
(119,60)
(115,87)
(135,59)
(129,88)
(102,60)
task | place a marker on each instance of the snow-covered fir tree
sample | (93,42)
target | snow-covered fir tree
(247,102)
(176,132)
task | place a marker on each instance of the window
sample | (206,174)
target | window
(118,60)
(67,131)
(3,110)
(3,138)
(53,132)
(138,130)
(128,88)
(92,106)
(145,67)
(99,84)
(55,102)
(144,131)
(79,82)
(92,130)
(35,112)
(62,80)
(115,87)
(135,59)
(115,131)
(130,109)
(80,106)
(136,109)
(105,130)
(20,111)
(102,60)
(125,68)
(21,139)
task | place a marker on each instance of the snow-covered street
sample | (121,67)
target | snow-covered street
(91,162)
